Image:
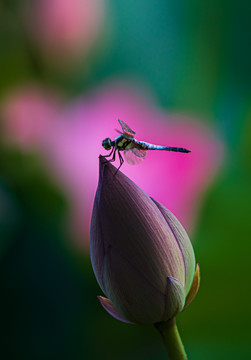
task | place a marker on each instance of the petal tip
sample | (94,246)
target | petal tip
(194,287)
(110,308)
(175,298)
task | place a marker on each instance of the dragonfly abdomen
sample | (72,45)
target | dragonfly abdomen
(167,148)
(177,149)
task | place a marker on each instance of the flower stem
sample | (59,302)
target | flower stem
(171,338)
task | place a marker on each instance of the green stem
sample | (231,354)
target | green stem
(171,337)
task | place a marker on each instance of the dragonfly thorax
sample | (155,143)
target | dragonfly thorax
(123,143)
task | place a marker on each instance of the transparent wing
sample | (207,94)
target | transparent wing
(141,153)
(135,156)
(126,136)
(118,131)
(126,129)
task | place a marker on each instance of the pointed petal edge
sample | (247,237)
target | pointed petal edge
(175,298)
(110,308)
(183,243)
(194,288)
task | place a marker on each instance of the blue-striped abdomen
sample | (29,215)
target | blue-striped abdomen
(148,146)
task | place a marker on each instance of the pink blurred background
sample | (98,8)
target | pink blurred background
(68,136)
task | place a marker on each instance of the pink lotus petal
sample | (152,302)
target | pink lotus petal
(183,243)
(175,298)
(134,251)
(109,307)
(194,288)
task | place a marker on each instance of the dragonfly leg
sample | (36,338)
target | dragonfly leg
(114,155)
(106,156)
(121,162)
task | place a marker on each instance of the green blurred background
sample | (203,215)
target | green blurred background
(195,57)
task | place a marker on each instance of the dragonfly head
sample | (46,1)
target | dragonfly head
(107,143)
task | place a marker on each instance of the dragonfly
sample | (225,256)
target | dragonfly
(134,151)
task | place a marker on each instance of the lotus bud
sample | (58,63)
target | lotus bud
(141,255)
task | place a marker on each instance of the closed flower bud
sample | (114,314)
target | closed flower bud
(141,255)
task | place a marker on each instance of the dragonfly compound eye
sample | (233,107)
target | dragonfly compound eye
(107,143)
